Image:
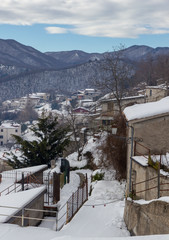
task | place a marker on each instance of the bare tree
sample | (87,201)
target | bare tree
(162,70)
(27,114)
(72,120)
(116,74)
(145,71)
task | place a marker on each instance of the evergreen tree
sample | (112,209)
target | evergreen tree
(51,141)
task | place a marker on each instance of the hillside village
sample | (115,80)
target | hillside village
(94,118)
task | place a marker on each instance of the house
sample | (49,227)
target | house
(11,104)
(110,107)
(86,103)
(155,93)
(147,168)
(148,131)
(7,129)
(81,110)
(29,100)
(91,93)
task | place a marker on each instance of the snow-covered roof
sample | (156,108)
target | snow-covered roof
(106,99)
(9,125)
(17,201)
(161,86)
(144,110)
(143,161)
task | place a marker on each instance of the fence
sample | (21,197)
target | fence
(71,207)
(63,215)
(158,185)
(23,216)
(18,180)
(142,148)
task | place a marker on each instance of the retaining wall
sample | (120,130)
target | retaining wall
(147,219)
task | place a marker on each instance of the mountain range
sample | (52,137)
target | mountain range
(24,69)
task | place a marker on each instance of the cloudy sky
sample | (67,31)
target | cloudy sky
(88,25)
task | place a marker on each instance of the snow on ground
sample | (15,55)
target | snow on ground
(143,160)
(93,144)
(12,176)
(101,217)
(17,201)
(92,222)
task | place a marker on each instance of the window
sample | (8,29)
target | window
(150,92)
(1,136)
(16,130)
(2,130)
(1,143)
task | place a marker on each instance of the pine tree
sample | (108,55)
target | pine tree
(51,141)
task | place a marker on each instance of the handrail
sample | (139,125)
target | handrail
(135,149)
(30,176)
(144,181)
(7,189)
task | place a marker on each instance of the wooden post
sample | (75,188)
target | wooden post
(56,187)
(67,216)
(56,220)
(77,198)
(22,223)
(86,187)
(72,203)
(23,181)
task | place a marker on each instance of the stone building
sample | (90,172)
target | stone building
(110,107)
(6,131)
(148,130)
(155,93)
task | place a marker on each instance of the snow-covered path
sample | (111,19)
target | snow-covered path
(91,223)
(102,214)
(100,221)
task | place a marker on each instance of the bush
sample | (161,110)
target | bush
(98,176)
(90,164)
(153,164)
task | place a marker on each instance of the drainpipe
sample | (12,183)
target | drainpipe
(132,135)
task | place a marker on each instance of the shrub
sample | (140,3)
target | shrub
(153,164)
(98,176)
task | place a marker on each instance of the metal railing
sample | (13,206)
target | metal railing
(72,206)
(22,216)
(137,153)
(28,179)
(156,185)
(16,187)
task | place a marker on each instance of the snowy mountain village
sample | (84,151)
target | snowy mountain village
(71,167)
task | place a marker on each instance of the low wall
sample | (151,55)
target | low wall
(147,219)
(38,204)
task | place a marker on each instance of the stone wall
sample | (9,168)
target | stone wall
(147,219)
(155,134)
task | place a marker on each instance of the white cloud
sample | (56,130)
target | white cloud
(56,30)
(109,18)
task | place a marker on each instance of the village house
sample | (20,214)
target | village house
(148,127)
(155,93)
(110,108)
(147,167)
(29,101)
(7,129)
(81,110)
(91,93)
(11,104)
